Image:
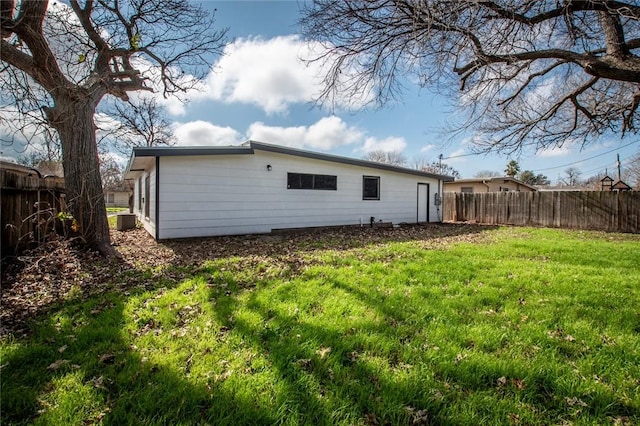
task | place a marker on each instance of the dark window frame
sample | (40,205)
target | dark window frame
(312,181)
(366,187)
(140,194)
(147,191)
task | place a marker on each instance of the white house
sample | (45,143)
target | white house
(257,188)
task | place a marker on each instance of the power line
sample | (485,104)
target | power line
(611,165)
(547,168)
(464,155)
(586,159)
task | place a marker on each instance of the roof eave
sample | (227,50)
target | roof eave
(249,147)
(344,160)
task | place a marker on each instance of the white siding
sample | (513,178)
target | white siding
(120,199)
(139,208)
(236,194)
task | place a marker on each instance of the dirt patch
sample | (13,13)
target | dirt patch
(43,277)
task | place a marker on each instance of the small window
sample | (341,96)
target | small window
(147,190)
(140,194)
(111,197)
(309,181)
(467,189)
(370,187)
(504,189)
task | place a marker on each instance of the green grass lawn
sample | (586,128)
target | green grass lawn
(117,209)
(524,326)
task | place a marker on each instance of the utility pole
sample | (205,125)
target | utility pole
(618,165)
(440,163)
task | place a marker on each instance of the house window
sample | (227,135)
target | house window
(370,187)
(140,194)
(111,198)
(467,189)
(309,181)
(504,189)
(147,188)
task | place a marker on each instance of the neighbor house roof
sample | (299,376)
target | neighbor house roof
(620,185)
(496,179)
(140,157)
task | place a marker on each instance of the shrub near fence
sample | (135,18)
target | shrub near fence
(28,206)
(598,210)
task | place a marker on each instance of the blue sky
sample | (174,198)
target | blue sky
(259,89)
(274,107)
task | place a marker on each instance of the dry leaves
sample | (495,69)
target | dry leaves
(59,270)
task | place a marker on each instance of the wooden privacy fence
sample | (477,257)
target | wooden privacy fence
(29,205)
(598,210)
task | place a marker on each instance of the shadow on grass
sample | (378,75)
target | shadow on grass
(322,370)
(81,369)
(83,358)
(322,374)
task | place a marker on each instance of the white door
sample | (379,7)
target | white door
(423,202)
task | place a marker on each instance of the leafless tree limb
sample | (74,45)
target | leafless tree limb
(530,73)
(58,61)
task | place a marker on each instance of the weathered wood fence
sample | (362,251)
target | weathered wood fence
(29,205)
(598,210)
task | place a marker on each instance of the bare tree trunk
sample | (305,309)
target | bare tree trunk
(73,119)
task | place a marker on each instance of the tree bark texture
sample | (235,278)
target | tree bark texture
(73,119)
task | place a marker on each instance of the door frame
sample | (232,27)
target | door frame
(419,200)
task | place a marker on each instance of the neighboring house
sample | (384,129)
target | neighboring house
(488,184)
(620,186)
(114,197)
(257,188)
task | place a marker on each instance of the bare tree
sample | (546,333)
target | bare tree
(530,73)
(572,177)
(633,170)
(34,157)
(439,168)
(419,162)
(487,174)
(140,123)
(59,61)
(110,173)
(394,158)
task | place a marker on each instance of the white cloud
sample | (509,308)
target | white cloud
(117,157)
(269,74)
(388,144)
(427,148)
(327,133)
(206,134)
(562,151)
(265,73)
(456,157)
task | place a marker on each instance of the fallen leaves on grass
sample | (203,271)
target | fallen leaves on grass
(57,364)
(575,401)
(56,271)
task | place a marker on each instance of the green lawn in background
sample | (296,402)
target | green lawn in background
(527,326)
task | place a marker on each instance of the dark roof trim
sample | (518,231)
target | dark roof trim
(169,151)
(344,160)
(249,147)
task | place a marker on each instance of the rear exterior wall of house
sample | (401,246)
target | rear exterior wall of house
(240,194)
